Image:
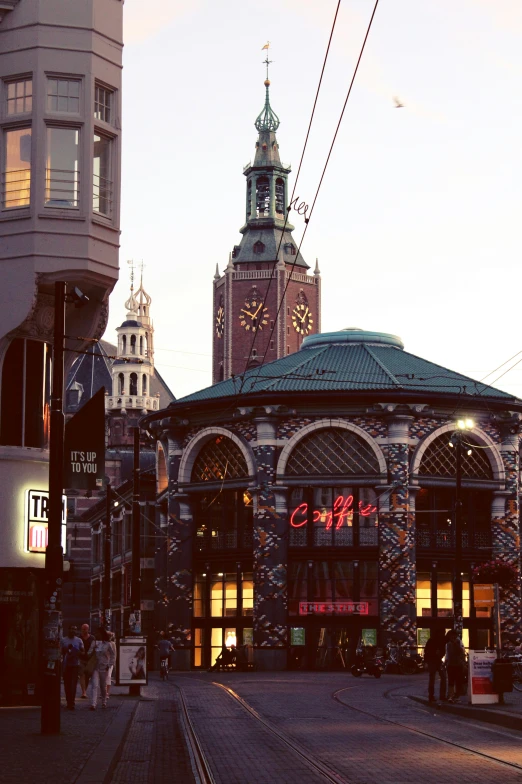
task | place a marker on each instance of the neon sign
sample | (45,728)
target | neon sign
(327,608)
(342,510)
(37,518)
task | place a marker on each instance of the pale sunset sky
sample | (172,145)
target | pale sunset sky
(417,227)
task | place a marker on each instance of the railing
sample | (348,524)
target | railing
(16,188)
(251,275)
(125,401)
(223,540)
(300,278)
(62,188)
(101,195)
(445,540)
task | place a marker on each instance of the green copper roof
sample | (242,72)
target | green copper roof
(350,361)
(268,119)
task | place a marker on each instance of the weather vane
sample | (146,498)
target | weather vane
(267,61)
(131,265)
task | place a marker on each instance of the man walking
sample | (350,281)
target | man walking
(71,647)
(87,640)
(433,655)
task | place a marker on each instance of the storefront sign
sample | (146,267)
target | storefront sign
(342,512)
(297,635)
(37,519)
(483,596)
(480,679)
(330,608)
(84,446)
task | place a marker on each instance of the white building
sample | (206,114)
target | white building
(60,117)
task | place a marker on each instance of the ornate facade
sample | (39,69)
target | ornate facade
(317,506)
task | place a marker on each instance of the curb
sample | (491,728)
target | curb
(510,720)
(99,764)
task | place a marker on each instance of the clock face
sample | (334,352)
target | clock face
(220,321)
(254,315)
(302,318)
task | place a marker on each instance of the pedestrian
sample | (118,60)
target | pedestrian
(434,652)
(72,647)
(112,638)
(455,664)
(105,658)
(87,639)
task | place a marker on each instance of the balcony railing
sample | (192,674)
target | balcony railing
(132,401)
(445,540)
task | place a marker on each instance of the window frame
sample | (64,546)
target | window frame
(111,92)
(69,78)
(77,189)
(10,80)
(111,139)
(13,128)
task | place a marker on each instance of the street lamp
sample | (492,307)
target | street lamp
(463,425)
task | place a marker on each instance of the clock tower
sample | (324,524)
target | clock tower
(264,271)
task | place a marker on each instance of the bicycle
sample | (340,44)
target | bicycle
(164,669)
(517,674)
(407,662)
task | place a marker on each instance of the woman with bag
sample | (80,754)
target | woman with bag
(105,658)
(455,665)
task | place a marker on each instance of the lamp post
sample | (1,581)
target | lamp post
(456,442)
(107,560)
(136,549)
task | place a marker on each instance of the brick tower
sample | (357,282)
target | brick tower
(247,296)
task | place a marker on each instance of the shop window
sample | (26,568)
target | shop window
(333,451)
(444,595)
(247,586)
(199,639)
(103,99)
(221,638)
(368,585)
(423,594)
(216,595)
(62,181)
(332,581)
(223,595)
(200,609)
(63,95)
(219,459)
(102,175)
(435,518)
(26,394)
(16,174)
(440,460)
(19,96)
(224,522)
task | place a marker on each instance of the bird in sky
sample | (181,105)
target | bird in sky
(398,103)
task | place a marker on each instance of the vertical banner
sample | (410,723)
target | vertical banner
(84,447)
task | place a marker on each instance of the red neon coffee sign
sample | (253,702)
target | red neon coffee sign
(342,510)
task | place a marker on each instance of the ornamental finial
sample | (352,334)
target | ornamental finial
(268,119)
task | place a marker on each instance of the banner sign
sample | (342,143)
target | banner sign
(483,596)
(331,608)
(84,446)
(37,520)
(480,679)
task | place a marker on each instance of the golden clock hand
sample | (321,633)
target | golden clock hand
(247,312)
(303,317)
(257,311)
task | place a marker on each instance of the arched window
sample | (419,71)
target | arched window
(162,477)
(258,247)
(220,459)
(146,346)
(262,197)
(332,452)
(141,345)
(133,384)
(121,384)
(280,196)
(144,384)
(124,344)
(440,459)
(132,344)
(249,199)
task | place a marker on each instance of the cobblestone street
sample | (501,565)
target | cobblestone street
(292,728)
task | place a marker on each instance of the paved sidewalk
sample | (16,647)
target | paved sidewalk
(508,714)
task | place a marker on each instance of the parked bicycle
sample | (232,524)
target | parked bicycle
(404,660)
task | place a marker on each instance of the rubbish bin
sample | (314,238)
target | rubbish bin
(502,676)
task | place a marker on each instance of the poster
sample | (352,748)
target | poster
(369,637)
(132,661)
(480,677)
(423,635)
(297,635)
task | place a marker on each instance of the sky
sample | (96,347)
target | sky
(417,225)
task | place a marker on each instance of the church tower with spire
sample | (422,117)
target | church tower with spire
(133,370)
(265,303)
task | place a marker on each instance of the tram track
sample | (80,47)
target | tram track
(389,694)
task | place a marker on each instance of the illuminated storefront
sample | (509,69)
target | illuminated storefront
(315,511)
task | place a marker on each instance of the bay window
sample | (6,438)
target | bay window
(62,170)
(102,180)
(19,96)
(16,179)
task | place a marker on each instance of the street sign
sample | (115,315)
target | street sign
(84,446)
(484,596)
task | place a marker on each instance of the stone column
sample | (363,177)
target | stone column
(270,555)
(176,574)
(397,573)
(506,531)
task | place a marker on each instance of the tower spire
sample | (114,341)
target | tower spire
(268,119)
